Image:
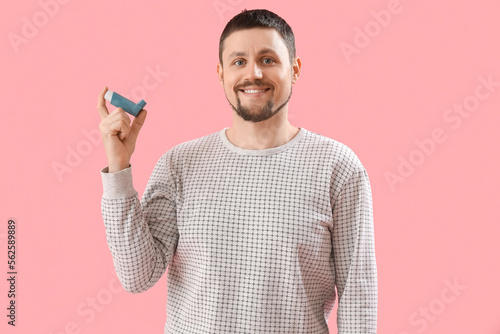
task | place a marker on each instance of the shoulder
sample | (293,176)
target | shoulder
(338,153)
(191,149)
(341,160)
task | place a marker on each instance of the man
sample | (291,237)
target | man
(257,223)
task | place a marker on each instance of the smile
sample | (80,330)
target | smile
(254,92)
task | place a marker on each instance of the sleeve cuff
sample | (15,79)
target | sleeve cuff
(117,185)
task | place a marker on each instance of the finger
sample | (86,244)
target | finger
(101,104)
(138,122)
(116,123)
(122,135)
(118,114)
(120,128)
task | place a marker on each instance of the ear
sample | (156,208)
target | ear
(296,66)
(220,73)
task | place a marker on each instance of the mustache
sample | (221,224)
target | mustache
(257,83)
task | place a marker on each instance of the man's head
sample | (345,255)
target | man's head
(259,18)
(257,52)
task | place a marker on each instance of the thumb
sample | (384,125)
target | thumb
(138,122)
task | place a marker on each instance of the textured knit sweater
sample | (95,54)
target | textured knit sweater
(255,241)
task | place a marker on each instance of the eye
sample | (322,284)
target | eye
(267,61)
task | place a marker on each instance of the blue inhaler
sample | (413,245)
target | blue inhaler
(121,102)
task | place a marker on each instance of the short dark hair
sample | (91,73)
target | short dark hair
(259,18)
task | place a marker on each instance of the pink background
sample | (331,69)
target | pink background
(438,225)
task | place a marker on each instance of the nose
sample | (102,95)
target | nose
(253,71)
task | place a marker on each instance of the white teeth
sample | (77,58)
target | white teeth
(254,91)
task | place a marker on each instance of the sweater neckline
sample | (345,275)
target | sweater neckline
(273,150)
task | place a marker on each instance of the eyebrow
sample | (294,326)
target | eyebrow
(242,53)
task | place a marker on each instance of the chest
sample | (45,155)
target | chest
(262,205)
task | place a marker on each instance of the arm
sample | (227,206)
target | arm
(354,256)
(142,236)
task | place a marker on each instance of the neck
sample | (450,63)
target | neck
(270,133)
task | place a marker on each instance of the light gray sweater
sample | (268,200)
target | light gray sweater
(255,241)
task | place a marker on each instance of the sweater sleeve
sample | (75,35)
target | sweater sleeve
(142,235)
(354,256)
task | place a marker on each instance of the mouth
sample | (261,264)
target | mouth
(254,92)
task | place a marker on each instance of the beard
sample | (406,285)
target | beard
(256,113)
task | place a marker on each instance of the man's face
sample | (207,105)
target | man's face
(257,76)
